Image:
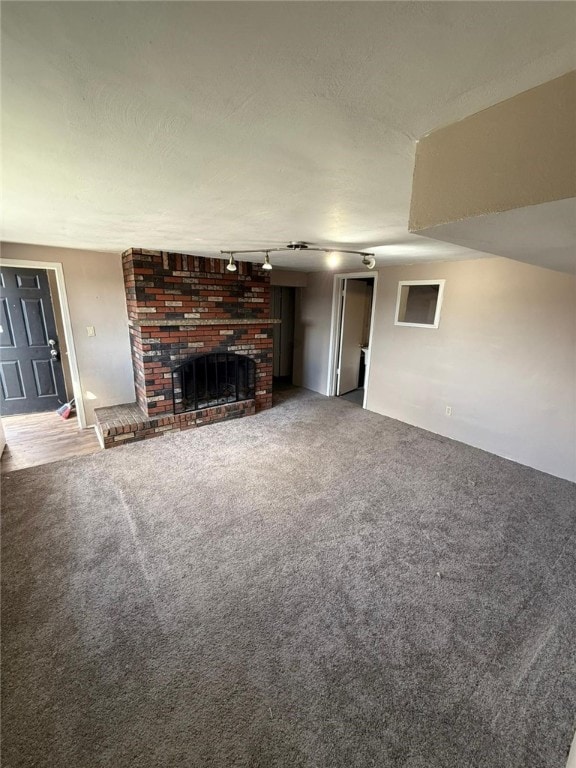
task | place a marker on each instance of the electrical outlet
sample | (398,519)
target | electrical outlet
(448,410)
(90,330)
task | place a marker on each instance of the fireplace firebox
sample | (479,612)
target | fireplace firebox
(218,378)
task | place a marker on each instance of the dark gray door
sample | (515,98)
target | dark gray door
(30,370)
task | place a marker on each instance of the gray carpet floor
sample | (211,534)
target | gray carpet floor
(316,586)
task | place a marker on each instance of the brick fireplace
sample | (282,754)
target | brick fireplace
(181,307)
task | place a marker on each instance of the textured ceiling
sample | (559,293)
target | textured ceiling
(205,126)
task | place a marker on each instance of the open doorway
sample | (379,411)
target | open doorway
(34,375)
(283,303)
(38,370)
(351,336)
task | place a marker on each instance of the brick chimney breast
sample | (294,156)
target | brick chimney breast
(180,305)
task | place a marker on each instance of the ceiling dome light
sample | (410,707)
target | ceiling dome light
(369,261)
(231,266)
(266,264)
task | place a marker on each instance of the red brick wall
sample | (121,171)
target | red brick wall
(181,305)
(175,286)
(116,433)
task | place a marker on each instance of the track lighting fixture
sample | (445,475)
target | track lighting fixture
(368,259)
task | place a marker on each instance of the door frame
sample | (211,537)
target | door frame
(57,268)
(336,322)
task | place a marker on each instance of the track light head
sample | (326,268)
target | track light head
(231,266)
(369,261)
(266,264)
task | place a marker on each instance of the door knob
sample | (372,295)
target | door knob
(54,353)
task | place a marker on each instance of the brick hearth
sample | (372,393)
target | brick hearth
(178,306)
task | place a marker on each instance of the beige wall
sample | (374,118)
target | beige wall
(572,756)
(503,358)
(518,153)
(288,278)
(314,325)
(95,289)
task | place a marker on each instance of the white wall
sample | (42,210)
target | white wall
(95,289)
(62,344)
(503,358)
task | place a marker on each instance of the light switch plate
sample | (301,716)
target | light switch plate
(91,331)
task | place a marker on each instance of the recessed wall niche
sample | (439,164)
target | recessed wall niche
(419,303)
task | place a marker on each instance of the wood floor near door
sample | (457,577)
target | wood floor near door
(41,438)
